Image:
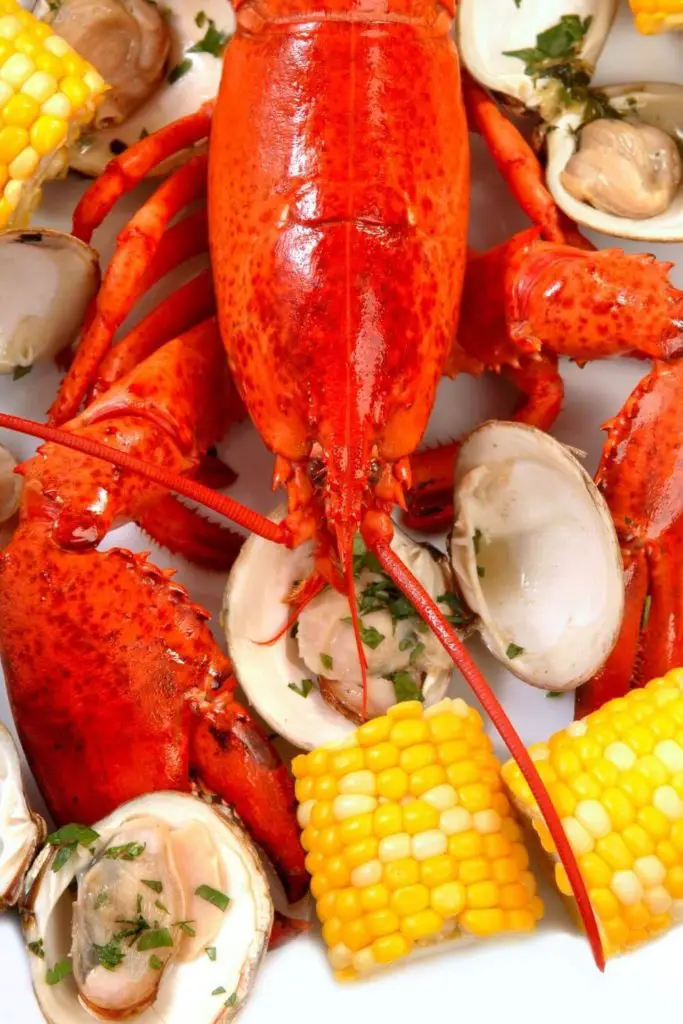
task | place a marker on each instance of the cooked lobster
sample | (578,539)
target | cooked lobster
(338,181)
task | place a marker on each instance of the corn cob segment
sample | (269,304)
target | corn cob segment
(48,94)
(616,780)
(410,841)
(652,16)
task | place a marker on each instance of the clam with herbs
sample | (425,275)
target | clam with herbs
(21,831)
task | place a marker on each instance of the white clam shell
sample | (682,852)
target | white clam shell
(547,578)
(172,100)
(47,280)
(253,611)
(186,988)
(21,831)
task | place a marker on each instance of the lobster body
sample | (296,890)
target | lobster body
(338,232)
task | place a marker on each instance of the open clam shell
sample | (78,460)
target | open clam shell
(47,280)
(128,873)
(536,555)
(21,831)
(321,660)
(162,62)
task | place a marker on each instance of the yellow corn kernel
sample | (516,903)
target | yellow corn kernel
(482,895)
(324,814)
(343,761)
(409,900)
(356,935)
(381,756)
(497,845)
(452,752)
(667,853)
(446,726)
(636,787)
(323,788)
(504,871)
(441,797)
(464,773)
(477,869)
(358,782)
(475,797)
(382,922)
(654,822)
(375,731)
(392,784)
(320,886)
(519,921)
(337,871)
(483,922)
(674,882)
(351,805)
(427,779)
(21,110)
(394,847)
(390,948)
(417,757)
(405,710)
(326,908)
(56,45)
(360,852)
(348,906)
(419,816)
(388,820)
(400,873)
(16,70)
(449,899)
(429,844)
(652,769)
(332,930)
(436,871)
(421,925)
(455,820)
(4,176)
(465,844)
(369,873)
(353,829)
(23,166)
(409,732)
(304,789)
(375,897)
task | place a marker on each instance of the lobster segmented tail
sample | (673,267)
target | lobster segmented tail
(411,588)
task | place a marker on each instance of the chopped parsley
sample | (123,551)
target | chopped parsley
(155,938)
(214,896)
(370,636)
(68,839)
(220,991)
(110,956)
(231,1000)
(37,949)
(20,371)
(556,58)
(159,905)
(481,572)
(554,693)
(513,651)
(476,539)
(303,688)
(129,851)
(362,558)
(407,642)
(327,661)
(416,652)
(200,19)
(151,884)
(155,962)
(101,899)
(62,969)
(405,686)
(645,618)
(214,41)
(457,616)
(211,952)
(179,70)
(185,926)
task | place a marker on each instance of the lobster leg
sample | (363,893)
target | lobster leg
(519,166)
(138,244)
(641,477)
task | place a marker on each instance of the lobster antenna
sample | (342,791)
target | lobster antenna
(225,506)
(430,612)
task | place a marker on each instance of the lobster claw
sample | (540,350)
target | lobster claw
(641,478)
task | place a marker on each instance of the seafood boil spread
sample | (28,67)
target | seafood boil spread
(305,763)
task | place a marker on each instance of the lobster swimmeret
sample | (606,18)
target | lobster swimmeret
(338,184)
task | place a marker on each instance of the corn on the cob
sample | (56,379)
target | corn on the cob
(410,840)
(616,779)
(653,16)
(48,94)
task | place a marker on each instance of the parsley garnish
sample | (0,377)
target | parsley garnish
(362,558)
(407,642)
(185,926)
(129,851)
(513,650)
(179,70)
(20,371)
(151,884)
(416,652)
(200,19)
(211,952)
(159,905)
(68,838)
(155,963)
(214,41)
(405,686)
(37,949)
(214,896)
(110,956)
(62,969)
(155,938)
(370,636)
(476,539)
(303,688)
(101,899)
(481,572)
(645,618)
(219,991)
(232,1000)
(554,693)
(327,661)
(457,615)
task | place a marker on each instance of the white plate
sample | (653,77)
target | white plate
(548,977)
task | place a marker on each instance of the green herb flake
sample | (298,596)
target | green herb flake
(214,41)
(179,70)
(129,851)
(518,4)
(214,896)
(481,572)
(211,953)
(155,962)
(200,19)
(405,686)
(101,899)
(61,970)
(407,642)
(554,693)
(416,652)
(37,949)
(327,661)
(159,905)
(110,956)
(232,1000)
(185,926)
(645,618)
(20,371)
(370,636)
(220,991)
(513,651)
(476,539)
(155,938)
(63,855)
(68,834)
(303,688)
(456,616)
(151,884)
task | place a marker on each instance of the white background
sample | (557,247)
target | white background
(547,977)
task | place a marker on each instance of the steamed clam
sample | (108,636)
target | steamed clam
(170,918)
(21,831)
(161,61)
(48,279)
(614,153)
(534,566)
